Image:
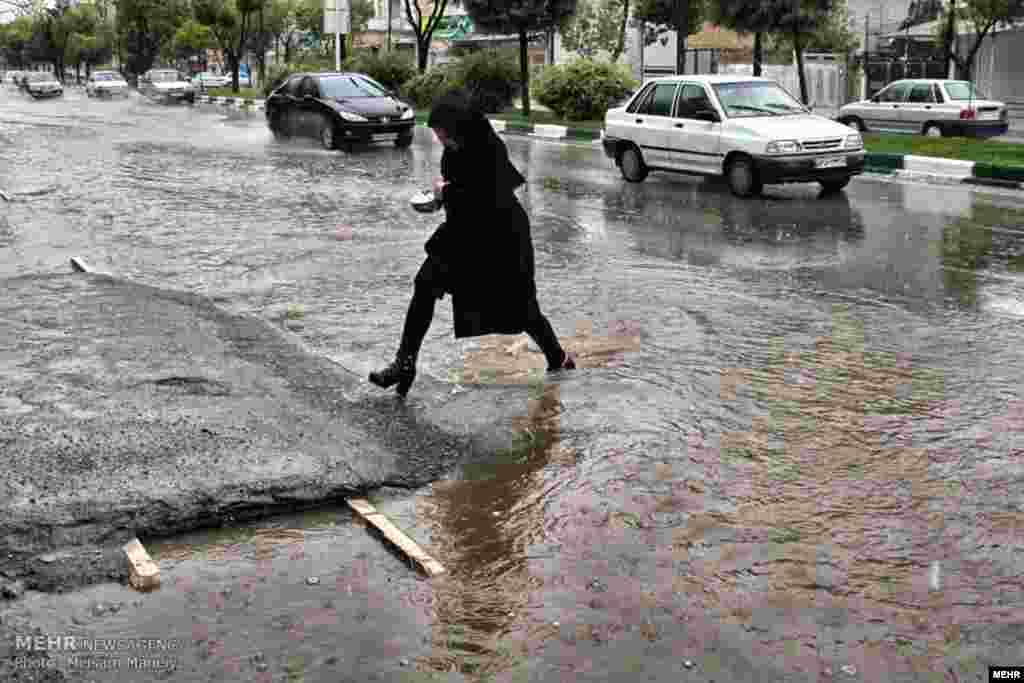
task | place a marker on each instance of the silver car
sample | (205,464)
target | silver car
(208,79)
(42,84)
(106,84)
(166,85)
(933,107)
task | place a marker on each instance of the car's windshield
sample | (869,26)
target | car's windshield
(163,76)
(756,98)
(40,77)
(962,90)
(351,86)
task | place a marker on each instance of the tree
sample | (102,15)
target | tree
(231,24)
(659,17)
(16,40)
(144,27)
(597,26)
(979,18)
(746,16)
(423,26)
(192,39)
(526,19)
(798,19)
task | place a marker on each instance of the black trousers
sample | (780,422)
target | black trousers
(430,286)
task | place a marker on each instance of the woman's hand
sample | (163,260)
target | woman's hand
(439,184)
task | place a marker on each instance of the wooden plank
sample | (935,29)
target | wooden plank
(370,515)
(80,266)
(143,572)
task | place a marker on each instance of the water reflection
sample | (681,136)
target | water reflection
(482,525)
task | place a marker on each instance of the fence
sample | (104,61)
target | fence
(826,80)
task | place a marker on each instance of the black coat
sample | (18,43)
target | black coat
(484,248)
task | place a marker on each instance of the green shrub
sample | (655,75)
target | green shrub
(490,76)
(423,88)
(582,89)
(391,69)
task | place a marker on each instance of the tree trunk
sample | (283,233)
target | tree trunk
(681,14)
(799,49)
(422,52)
(758,53)
(620,46)
(524,71)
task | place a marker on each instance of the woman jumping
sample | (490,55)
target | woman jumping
(483,252)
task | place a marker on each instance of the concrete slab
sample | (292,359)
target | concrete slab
(127,410)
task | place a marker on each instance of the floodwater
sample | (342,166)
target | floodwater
(798,426)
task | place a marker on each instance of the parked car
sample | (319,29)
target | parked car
(933,107)
(166,85)
(40,84)
(339,108)
(208,79)
(106,84)
(751,130)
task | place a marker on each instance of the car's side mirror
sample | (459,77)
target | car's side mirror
(707,115)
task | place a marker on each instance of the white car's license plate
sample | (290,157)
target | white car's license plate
(830,162)
(385,136)
(989,115)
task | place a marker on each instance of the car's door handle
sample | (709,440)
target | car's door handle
(639,120)
(927,106)
(895,106)
(679,125)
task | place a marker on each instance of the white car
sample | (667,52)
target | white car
(930,106)
(167,85)
(750,130)
(43,84)
(106,84)
(208,79)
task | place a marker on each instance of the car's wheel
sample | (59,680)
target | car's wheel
(632,165)
(404,140)
(833,186)
(853,122)
(932,130)
(742,176)
(327,133)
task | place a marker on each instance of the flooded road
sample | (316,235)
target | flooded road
(793,452)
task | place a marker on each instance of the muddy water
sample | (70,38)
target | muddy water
(798,422)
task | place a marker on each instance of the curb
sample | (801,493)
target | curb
(235,102)
(950,171)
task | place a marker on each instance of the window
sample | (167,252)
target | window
(897,92)
(937,93)
(660,101)
(743,99)
(692,99)
(308,88)
(291,86)
(921,92)
(351,86)
(962,90)
(640,100)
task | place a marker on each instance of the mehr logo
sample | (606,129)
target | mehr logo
(70,643)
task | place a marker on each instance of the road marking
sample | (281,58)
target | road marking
(365,509)
(143,572)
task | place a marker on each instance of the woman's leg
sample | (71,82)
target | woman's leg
(539,328)
(428,288)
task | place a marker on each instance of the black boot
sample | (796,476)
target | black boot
(401,371)
(568,363)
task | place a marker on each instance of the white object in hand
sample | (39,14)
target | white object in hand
(424,201)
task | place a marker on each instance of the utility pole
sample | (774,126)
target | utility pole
(681,12)
(389,24)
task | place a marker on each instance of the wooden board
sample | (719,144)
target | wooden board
(365,509)
(143,572)
(80,266)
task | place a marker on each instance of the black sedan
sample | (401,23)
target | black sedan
(339,109)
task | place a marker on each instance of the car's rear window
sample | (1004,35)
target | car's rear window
(963,91)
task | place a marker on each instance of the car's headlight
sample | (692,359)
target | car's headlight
(409,113)
(783,147)
(854,141)
(349,116)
